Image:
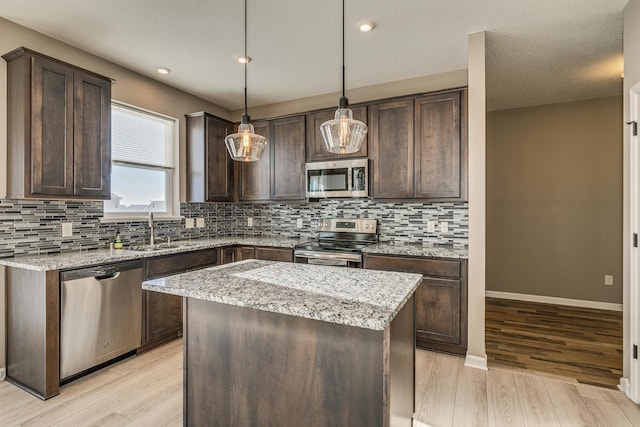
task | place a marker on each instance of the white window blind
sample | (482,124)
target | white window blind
(142,173)
(141,138)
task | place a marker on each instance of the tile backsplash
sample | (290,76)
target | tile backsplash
(35,227)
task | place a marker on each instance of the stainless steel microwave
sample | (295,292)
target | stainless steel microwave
(339,178)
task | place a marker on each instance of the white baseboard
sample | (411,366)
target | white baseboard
(3,374)
(476,362)
(625,387)
(555,300)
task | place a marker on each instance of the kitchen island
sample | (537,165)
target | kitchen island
(270,343)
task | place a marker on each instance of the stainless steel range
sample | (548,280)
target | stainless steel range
(340,242)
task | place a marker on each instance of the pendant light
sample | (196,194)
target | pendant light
(343,134)
(245,145)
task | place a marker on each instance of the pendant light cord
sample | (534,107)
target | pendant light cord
(343,73)
(246,60)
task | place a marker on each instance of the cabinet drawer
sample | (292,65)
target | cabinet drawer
(425,266)
(274,254)
(171,264)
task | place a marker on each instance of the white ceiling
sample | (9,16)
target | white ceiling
(538,51)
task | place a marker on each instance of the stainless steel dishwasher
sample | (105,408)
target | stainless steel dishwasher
(100,315)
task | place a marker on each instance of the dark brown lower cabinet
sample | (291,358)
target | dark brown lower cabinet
(274,254)
(239,253)
(162,313)
(441,299)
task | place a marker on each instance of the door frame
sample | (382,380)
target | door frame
(634,258)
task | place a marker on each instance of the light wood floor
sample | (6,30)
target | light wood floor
(575,342)
(146,390)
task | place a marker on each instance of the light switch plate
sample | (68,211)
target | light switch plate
(444,227)
(249,222)
(199,222)
(608,280)
(189,223)
(431,226)
(299,223)
(67,229)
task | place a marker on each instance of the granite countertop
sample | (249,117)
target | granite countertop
(423,250)
(349,296)
(79,259)
(85,258)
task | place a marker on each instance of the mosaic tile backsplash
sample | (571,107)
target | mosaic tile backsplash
(35,227)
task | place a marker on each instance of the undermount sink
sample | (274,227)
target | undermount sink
(159,246)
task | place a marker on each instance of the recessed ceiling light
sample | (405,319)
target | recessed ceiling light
(243,59)
(365,27)
(163,70)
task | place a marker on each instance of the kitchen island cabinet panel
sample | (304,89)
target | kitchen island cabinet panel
(255,177)
(316,149)
(209,166)
(392,150)
(59,129)
(441,299)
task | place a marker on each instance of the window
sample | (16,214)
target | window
(142,172)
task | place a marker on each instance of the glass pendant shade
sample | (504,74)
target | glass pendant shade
(245,145)
(343,134)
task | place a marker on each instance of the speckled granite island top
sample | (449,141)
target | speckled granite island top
(364,298)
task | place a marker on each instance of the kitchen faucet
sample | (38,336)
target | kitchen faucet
(152,239)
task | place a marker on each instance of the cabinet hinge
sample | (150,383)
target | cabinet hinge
(635,240)
(635,351)
(635,127)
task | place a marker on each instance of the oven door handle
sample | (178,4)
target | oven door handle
(324,255)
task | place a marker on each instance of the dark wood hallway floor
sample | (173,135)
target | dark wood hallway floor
(584,344)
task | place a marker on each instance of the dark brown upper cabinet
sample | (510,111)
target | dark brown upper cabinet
(279,175)
(255,177)
(316,150)
(287,172)
(59,129)
(440,156)
(209,165)
(418,147)
(392,149)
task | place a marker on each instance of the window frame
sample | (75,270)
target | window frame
(172,184)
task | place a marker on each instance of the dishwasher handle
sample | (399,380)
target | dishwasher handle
(107,276)
(100,272)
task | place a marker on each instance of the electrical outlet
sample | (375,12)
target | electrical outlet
(444,227)
(249,222)
(199,222)
(608,280)
(189,223)
(431,226)
(299,223)
(67,229)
